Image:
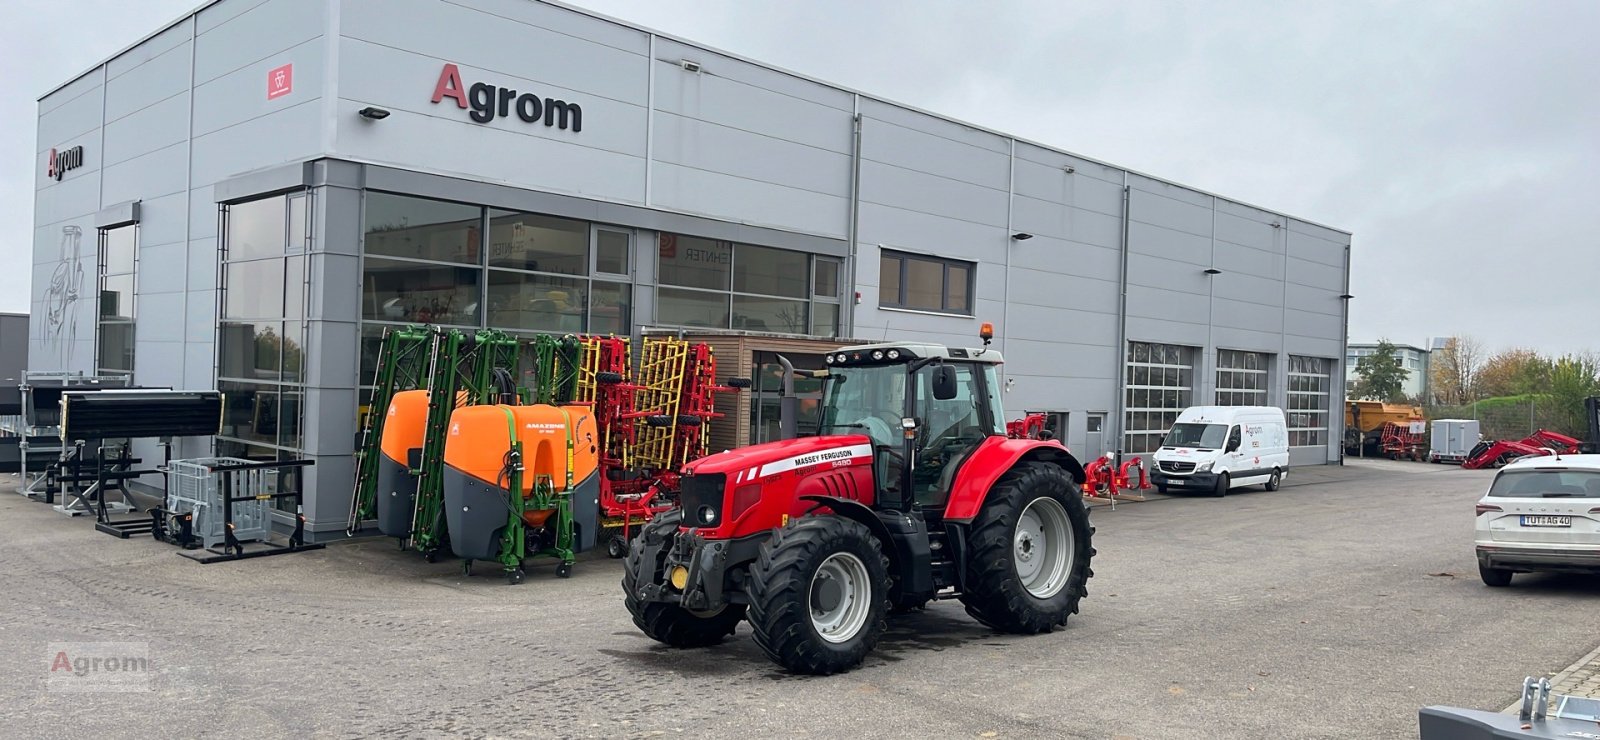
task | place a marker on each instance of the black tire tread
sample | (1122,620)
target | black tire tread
(993,594)
(669,623)
(779,585)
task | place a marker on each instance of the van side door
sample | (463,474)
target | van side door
(1234,451)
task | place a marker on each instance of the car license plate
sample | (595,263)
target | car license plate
(1546,521)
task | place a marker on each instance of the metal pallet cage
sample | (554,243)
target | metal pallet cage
(197,486)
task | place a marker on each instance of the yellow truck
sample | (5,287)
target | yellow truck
(1364,424)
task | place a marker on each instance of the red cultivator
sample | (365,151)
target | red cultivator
(651,422)
(1103,478)
(1541,442)
(1399,442)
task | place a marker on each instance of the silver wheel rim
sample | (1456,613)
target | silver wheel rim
(840,597)
(1043,547)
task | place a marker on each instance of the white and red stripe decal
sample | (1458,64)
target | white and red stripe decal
(837,454)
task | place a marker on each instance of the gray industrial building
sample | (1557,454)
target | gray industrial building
(244,199)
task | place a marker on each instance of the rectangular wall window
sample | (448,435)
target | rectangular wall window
(724,285)
(1160,385)
(261,333)
(925,283)
(1241,378)
(114,327)
(1309,383)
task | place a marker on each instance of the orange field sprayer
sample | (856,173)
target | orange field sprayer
(518,480)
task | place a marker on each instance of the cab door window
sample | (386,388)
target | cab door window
(950,430)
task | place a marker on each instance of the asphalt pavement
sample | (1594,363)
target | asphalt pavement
(1335,607)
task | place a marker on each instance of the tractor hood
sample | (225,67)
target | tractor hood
(771,458)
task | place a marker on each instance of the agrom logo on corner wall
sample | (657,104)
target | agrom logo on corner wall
(488,102)
(58,163)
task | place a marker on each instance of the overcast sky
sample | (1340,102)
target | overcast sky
(1459,141)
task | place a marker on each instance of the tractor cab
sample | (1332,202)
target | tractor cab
(925,407)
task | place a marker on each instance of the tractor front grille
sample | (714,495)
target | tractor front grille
(699,493)
(1176,466)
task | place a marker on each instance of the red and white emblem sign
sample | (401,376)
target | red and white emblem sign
(280,81)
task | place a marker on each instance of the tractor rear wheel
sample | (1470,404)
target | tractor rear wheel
(1030,552)
(818,595)
(669,623)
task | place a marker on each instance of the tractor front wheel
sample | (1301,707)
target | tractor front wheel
(819,593)
(669,623)
(1030,552)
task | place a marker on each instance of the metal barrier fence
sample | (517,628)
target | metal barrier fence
(1516,418)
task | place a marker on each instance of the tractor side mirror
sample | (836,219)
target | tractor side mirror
(944,383)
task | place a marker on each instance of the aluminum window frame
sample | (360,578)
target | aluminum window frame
(945,263)
(101,235)
(1313,404)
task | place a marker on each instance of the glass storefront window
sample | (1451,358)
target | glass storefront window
(535,302)
(610,308)
(256,229)
(254,290)
(825,319)
(250,350)
(692,262)
(752,313)
(526,241)
(250,412)
(116,297)
(417,228)
(692,308)
(120,249)
(294,287)
(116,346)
(825,284)
(414,292)
(611,252)
(297,224)
(767,271)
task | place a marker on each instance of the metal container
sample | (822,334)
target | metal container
(1453,439)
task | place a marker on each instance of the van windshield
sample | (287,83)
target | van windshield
(1198,436)
(1547,484)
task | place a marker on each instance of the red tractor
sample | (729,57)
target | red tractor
(911,491)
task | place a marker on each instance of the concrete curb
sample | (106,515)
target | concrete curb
(1590,662)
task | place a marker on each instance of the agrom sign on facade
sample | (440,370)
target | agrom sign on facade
(488,102)
(58,163)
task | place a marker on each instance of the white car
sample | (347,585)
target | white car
(1541,514)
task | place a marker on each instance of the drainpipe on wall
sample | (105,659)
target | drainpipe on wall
(1120,355)
(847,313)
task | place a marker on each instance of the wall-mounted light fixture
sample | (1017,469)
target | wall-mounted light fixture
(1276,225)
(1213,271)
(1021,236)
(373,114)
(689,65)
(1346,296)
(1070,169)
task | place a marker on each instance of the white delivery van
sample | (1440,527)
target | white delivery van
(1215,448)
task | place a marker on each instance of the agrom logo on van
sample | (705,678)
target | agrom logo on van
(489,102)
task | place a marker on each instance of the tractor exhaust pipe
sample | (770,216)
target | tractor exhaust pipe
(788,404)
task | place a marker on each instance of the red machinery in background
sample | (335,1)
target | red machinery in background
(1399,441)
(1029,427)
(651,422)
(1541,442)
(1103,478)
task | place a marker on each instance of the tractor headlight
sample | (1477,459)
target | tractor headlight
(707,515)
(828,359)
(840,358)
(894,354)
(1203,467)
(877,354)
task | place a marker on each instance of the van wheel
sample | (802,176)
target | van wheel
(1222,486)
(1276,480)
(1161,488)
